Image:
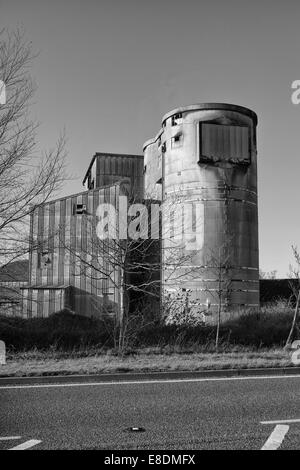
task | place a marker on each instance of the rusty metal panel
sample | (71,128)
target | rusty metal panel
(24,309)
(61,247)
(66,242)
(34,295)
(51,301)
(45,309)
(51,234)
(40,230)
(76,248)
(83,243)
(55,251)
(64,229)
(44,237)
(98,199)
(72,250)
(40,302)
(224,142)
(112,168)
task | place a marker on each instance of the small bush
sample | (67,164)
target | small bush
(62,330)
(260,330)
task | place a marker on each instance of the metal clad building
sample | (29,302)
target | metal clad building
(209,161)
(108,168)
(66,268)
(202,166)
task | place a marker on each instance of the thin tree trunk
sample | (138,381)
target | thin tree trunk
(121,313)
(288,341)
(218,324)
(219,310)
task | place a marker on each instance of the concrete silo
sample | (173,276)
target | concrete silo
(203,165)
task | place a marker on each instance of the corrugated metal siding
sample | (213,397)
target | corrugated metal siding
(67,238)
(224,142)
(42,302)
(113,168)
(11,298)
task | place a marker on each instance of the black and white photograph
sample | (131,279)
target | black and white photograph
(149,228)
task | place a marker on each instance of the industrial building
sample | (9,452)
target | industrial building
(206,154)
(204,158)
(67,268)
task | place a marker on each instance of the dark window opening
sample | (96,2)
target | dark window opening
(224,143)
(176,140)
(79,209)
(44,259)
(177,117)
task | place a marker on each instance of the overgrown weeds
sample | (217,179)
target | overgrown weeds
(67,335)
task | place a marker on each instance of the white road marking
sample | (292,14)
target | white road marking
(276,438)
(141,382)
(9,438)
(26,445)
(277,421)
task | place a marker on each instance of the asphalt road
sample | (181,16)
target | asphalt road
(211,413)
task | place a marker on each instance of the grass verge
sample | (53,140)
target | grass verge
(34,363)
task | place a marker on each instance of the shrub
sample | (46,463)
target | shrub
(62,330)
(66,331)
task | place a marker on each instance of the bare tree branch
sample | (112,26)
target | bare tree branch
(27,179)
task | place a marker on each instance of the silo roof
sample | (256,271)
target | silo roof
(207,106)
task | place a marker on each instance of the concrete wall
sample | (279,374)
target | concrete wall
(225,191)
(153,167)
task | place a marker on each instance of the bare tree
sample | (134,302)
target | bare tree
(220,264)
(128,267)
(27,179)
(295,287)
(131,265)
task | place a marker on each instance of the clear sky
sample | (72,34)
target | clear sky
(109,69)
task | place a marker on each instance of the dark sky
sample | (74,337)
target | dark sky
(109,69)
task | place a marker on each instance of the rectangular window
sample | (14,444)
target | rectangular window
(176,141)
(44,259)
(79,209)
(176,119)
(224,143)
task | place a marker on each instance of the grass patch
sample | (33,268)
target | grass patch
(31,364)
(71,344)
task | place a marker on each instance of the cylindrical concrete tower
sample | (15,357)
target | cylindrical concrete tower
(204,161)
